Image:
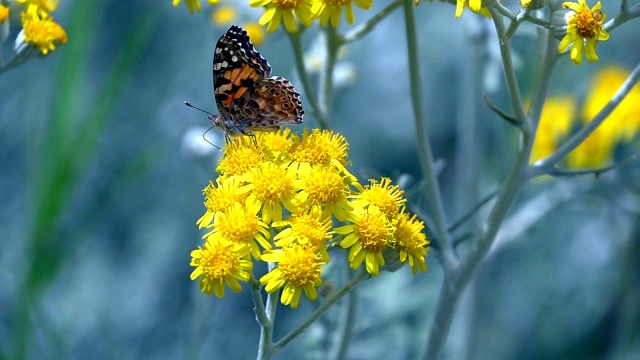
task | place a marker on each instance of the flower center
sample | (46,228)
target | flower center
(300,266)
(373,232)
(325,187)
(219,262)
(588,23)
(238,225)
(272,185)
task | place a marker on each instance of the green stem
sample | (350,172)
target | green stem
(467,161)
(345,327)
(261,315)
(553,171)
(510,76)
(325,93)
(300,329)
(266,349)
(366,27)
(623,17)
(425,155)
(298,52)
(16,61)
(515,23)
(456,280)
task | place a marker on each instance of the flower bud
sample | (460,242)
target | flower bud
(559,22)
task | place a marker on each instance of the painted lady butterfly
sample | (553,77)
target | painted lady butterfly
(248,98)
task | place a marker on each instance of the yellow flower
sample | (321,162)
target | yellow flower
(596,151)
(585,25)
(284,11)
(40,31)
(331,9)
(388,198)
(554,127)
(319,148)
(276,142)
(299,268)
(370,233)
(239,224)
(4,13)
(309,228)
(221,262)
(621,125)
(474,5)
(43,6)
(217,199)
(411,242)
(240,155)
(225,15)
(194,4)
(327,187)
(272,187)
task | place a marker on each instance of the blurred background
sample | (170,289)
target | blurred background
(102,169)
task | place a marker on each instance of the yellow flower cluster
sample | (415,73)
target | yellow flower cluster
(276,200)
(290,12)
(559,116)
(287,11)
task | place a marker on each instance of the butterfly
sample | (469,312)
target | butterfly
(248,97)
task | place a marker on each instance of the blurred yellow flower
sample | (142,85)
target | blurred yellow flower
(40,31)
(43,6)
(4,13)
(193,5)
(597,150)
(624,121)
(327,10)
(257,35)
(621,125)
(555,124)
(585,25)
(225,15)
(284,11)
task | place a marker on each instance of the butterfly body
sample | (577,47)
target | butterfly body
(248,97)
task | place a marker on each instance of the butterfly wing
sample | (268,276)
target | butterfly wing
(237,66)
(274,103)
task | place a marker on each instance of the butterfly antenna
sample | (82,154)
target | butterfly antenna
(197,108)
